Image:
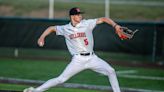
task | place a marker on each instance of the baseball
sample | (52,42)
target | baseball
(41,44)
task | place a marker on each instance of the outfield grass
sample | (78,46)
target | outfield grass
(119,12)
(44,70)
(22,87)
(50,53)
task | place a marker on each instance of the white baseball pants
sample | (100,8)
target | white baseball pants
(80,63)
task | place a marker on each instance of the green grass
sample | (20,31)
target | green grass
(26,4)
(12,87)
(50,53)
(136,12)
(22,87)
(119,12)
(44,70)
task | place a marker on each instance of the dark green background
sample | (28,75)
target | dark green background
(24,32)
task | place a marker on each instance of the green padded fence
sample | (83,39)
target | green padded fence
(24,32)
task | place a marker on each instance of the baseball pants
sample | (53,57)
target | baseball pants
(80,63)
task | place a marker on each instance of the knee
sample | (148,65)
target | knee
(111,71)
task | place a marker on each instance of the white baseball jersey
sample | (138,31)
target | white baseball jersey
(79,39)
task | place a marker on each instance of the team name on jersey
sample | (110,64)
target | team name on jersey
(81,34)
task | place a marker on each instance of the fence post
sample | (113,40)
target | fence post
(107,8)
(51,9)
(154,43)
(16,53)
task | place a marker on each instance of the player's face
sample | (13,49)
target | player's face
(77,18)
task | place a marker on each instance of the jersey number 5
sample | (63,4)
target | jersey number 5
(86,41)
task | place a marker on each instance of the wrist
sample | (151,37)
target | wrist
(114,25)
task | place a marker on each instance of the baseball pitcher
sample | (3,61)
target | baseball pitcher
(79,40)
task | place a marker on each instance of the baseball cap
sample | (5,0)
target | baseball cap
(75,11)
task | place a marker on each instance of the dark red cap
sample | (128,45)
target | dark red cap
(75,11)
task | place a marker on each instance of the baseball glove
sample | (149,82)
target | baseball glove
(126,33)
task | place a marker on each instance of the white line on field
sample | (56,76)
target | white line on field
(126,72)
(141,77)
(72,85)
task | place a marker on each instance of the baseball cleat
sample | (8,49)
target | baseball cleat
(31,89)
